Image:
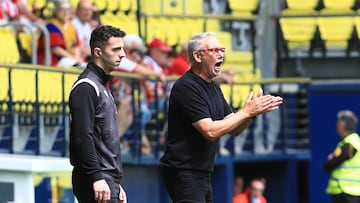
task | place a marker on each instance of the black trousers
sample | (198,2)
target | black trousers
(84,192)
(188,186)
(345,198)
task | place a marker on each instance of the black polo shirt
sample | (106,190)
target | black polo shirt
(192,99)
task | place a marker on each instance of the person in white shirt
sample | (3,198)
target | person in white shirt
(81,21)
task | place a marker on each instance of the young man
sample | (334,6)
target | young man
(198,117)
(94,138)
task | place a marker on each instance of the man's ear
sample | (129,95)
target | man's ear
(97,51)
(197,56)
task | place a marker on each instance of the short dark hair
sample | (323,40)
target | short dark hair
(100,36)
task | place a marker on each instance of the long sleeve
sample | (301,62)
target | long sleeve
(345,152)
(83,100)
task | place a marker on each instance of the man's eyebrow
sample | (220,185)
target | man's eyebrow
(117,48)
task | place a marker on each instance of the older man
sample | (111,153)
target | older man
(198,117)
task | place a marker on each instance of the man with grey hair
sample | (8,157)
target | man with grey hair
(344,163)
(198,117)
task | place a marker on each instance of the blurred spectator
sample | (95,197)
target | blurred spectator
(81,21)
(181,62)
(64,44)
(8,11)
(254,193)
(238,185)
(95,17)
(16,10)
(134,62)
(158,59)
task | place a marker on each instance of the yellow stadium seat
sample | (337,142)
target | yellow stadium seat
(226,90)
(336,4)
(69,81)
(101,5)
(113,5)
(162,28)
(150,6)
(225,40)
(303,4)
(212,25)
(125,5)
(108,18)
(194,7)
(299,31)
(25,41)
(173,7)
(240,61)
(4,78)
(9,52)
(23,85)
(172,30)
(50,87)
(134,6)
(128,23)
(243,6)
(357,23)
(336,30)
(194,26)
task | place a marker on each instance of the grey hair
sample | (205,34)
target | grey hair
(195,43)
(349,119)
(130,40)
(58,3)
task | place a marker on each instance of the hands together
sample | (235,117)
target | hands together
(261,103)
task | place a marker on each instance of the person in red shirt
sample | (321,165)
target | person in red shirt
(180,63)
(254,193)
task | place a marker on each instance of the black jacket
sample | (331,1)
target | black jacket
(94,137)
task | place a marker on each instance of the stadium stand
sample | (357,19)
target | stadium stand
(38,99)
(113,6)
(299,31)
(151,7)
(243,7)
(357,23)
(127,5)
(336,31)
(344,4)
(304,4)
(9,52)
(173,7)
(101,5)
(194,7)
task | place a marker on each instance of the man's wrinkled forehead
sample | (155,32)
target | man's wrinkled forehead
(210,41)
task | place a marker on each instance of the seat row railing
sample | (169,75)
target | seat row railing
(34,115)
